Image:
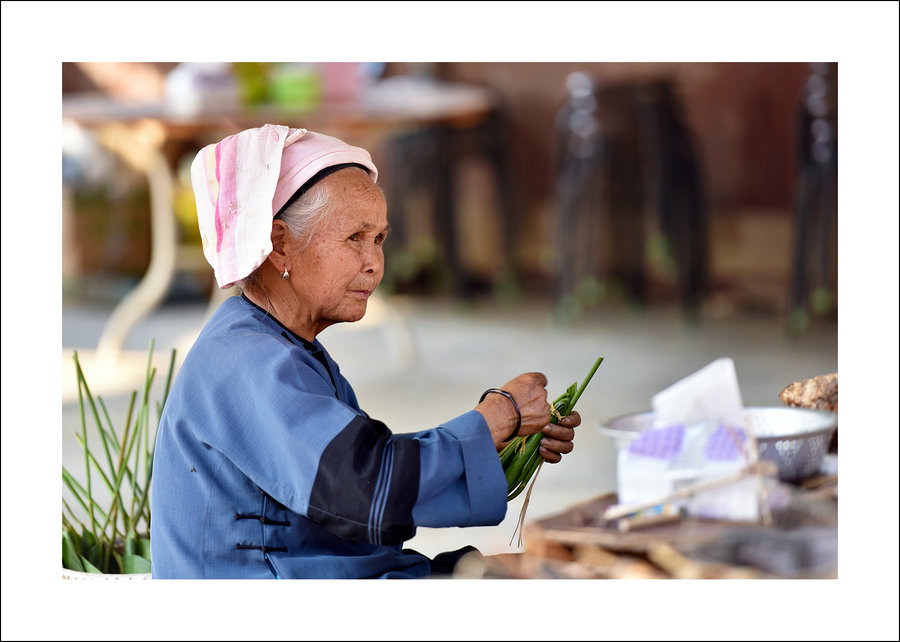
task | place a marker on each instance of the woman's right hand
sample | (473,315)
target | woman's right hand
(530,392)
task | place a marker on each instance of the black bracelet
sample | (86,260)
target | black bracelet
(512,401)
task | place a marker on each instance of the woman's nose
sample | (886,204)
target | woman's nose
(373,261)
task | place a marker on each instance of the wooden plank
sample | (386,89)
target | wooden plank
(584,524)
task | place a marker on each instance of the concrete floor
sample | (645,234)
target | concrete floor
(417,362)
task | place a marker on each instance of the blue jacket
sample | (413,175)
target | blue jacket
(265,466)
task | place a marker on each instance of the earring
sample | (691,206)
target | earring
(285,275)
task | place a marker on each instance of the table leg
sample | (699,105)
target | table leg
(155,282)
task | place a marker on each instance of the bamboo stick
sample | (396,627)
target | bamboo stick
(758,468)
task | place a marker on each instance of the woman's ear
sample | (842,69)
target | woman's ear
(279,235)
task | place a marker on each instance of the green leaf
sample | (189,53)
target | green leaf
(70,557)
(584,383)
(87,541)
(66,522)
(507,453)
(115,563)
(95,555)
(519,466)
(74,488)
(129,545)
(135,564)
(122,450)
(88,567)
(144,547)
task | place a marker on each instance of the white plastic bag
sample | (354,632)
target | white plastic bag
(697,437)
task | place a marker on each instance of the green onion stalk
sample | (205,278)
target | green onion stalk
(521,458)
(111,541)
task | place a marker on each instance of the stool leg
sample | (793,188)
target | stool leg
(411,163)
(567,190)
(396,187)
(692,264)
(798,315)
(445,208)
(825,224)
(830,224)
(495,142)
(629,212)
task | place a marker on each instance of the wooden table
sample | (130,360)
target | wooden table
(580,543)
(151,138)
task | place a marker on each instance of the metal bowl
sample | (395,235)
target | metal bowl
(796,439)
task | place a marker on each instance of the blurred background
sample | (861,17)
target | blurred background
(706,185)
(661,215)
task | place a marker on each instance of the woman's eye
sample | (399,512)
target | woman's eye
(378,239)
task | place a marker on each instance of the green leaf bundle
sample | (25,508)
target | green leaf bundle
(521,458)
(116,537)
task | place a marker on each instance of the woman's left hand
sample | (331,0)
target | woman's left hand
(557,440)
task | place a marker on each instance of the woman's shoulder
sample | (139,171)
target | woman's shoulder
(240,345)
(238,329)
(237,315)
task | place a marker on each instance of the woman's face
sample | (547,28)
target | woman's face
(337,272)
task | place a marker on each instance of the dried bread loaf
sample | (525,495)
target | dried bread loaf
(818,392)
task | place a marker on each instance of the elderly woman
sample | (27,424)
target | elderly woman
(265,465)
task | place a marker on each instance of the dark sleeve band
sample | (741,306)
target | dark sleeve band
(367,484)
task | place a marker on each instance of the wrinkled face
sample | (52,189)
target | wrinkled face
(334,275)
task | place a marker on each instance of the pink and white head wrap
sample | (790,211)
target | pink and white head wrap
(241,182)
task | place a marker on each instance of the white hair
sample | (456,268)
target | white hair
(301,217)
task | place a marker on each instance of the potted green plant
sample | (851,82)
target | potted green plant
(110,535)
